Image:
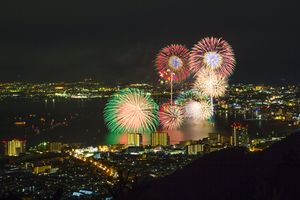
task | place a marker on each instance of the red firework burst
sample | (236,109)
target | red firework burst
(173,61)
(212,53)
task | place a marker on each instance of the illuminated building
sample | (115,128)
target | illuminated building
(14,147)
(258,88)
(195,149)
(42,169)
(55,147)
(159,139)
(216,139)
(134,139)
(103,148)
(239,135)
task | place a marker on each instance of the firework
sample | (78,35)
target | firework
(173,63)
(197,110)
(212,53)
(210,83)
(131,110)
(196,106)
(188,95)
(171,116)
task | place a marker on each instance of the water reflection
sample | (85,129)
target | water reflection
(113,138)
(188,132)
(88,115)
(197,131)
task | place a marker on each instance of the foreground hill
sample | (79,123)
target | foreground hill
(234,174)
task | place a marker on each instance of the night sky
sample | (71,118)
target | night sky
(116,41)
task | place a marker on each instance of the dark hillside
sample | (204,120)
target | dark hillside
(234,174)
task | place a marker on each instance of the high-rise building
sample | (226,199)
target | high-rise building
(199,146)
(134,139)
(195,149)
(55,147)
(159,139)
(14,147)
(216,139)
(239,135)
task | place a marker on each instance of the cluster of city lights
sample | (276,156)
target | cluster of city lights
(84,156)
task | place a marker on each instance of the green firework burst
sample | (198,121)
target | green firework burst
(131,111)
(188,95)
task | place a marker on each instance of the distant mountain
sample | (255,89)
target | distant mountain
(233,174)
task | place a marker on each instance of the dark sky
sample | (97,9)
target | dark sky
(115,40)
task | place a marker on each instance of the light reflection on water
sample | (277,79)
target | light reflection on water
(88,126)
(192,132)
(189,132)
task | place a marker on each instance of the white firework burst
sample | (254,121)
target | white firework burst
(198,110)
(210,83)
